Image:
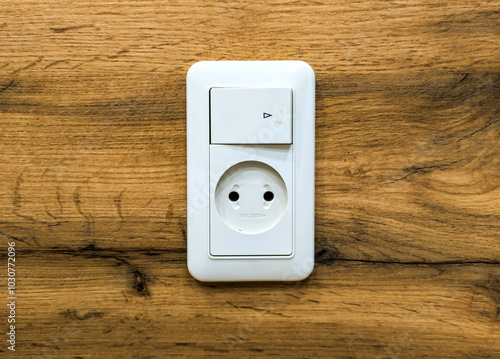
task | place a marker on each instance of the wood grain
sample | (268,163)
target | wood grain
(92,153)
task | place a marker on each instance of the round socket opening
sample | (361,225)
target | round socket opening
(233,196)
(268,196)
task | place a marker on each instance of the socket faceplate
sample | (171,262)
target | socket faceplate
(250,197)
(257,227)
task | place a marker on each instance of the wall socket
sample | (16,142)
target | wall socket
(250,170)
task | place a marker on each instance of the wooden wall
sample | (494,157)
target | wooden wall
(93,179)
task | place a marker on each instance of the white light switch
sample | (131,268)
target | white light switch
(251,115)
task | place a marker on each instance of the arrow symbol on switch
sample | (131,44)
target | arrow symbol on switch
(266,115)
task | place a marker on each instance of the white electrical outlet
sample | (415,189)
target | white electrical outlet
(250,170)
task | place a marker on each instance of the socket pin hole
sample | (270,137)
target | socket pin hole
(268,196)
(233,196)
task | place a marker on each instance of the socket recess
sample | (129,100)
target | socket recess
(250,164)
(251,197)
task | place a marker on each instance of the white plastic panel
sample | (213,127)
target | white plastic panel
(213,256)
